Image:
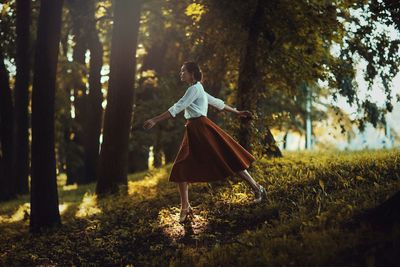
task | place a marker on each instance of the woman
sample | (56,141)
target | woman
(207,153)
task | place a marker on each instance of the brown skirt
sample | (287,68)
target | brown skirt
(207,153)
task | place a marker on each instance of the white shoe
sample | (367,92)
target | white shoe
(261,195)
(185,214)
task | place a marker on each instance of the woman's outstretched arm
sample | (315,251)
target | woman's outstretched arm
(221,106)
(240,113)
(153,121)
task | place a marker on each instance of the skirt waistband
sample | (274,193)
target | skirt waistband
(190,119)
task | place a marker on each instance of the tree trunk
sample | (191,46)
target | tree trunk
(79,12)
(44,195)
(285,139)
(7,186)
(113,165)
(94,113)
(21,153)
(138,160)
(249,75)
(269,146)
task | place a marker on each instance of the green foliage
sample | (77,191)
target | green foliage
(311,197)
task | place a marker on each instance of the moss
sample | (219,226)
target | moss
(311,197)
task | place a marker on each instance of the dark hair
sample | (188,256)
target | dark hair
(193,67)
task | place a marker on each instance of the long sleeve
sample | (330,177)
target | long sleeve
(190,95)
(215,102)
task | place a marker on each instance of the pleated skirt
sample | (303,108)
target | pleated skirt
(207,153)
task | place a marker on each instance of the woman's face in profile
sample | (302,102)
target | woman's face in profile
(185,75)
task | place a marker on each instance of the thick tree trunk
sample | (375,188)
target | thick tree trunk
(113,165)
(249,81)
(138,160)
(153,60)
(249,75)
(88,109)
(213,86)
(79,13)
(21,153)
(94,112)
(7,186)
(44,195)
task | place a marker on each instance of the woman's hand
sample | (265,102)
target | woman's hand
(149,124)
(244,113)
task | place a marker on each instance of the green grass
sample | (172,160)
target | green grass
(311,197)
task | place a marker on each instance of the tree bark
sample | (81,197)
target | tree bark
(154,60)
(88,108)
(7,186)
(113,165)
(79,13)
(44,195)
(249,75)
(21,92)
(249,81)
(94,112)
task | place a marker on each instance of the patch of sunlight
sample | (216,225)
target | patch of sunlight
(141,50)
(61,179)
(168,220)
(150,181)
(195,11)
(70,187)
(88,206)
(151,158)
(237,195)
(22,213)
(162,158)
(63,207)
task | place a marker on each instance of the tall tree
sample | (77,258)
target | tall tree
(249,74)
(6,134)
(79,12)
(113,163)
(88,109)
(21,97)
(94,111)
(44,195)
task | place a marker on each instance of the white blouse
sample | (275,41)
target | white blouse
(195,102)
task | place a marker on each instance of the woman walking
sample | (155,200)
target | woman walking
(207,153)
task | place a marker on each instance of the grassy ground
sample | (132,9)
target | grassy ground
(312,196)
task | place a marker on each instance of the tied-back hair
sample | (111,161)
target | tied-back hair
(193,67)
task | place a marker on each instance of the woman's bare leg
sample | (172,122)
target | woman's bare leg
(245,175)
(183,191)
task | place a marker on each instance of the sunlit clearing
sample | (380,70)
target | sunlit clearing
(168,220)
(147,186)
(88,206)
(22,213)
